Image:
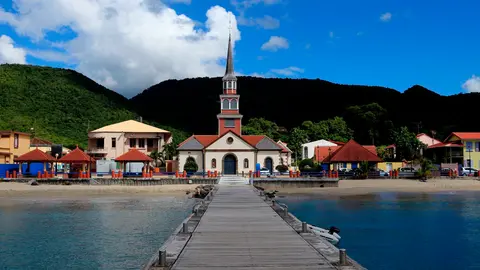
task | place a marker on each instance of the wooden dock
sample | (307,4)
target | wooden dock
(239,230)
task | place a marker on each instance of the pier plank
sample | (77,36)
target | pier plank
(240,231)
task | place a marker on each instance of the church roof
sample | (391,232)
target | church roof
(229,72)
(200,142)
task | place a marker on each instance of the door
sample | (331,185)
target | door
(269,164)
(230,164)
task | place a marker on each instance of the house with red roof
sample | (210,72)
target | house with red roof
(351,153)
(462,148)
(229,151)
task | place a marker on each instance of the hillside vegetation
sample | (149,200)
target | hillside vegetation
(60,105)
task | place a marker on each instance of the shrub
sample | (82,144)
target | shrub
(282,168)
(190,165)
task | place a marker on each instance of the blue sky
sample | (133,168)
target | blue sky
(388,43)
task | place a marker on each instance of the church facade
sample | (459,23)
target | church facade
(228,151)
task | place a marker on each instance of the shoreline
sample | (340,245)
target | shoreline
(364,187)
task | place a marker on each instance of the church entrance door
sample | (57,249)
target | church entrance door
(229,164)
(269,164)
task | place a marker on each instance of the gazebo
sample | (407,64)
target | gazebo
(133,155)
(35,155)
(78,157)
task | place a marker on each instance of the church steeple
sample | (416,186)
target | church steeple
(229,79)
(229,117)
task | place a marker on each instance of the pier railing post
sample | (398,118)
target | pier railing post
(285,211)
(162,258)
(185,227)
(343,256)
(304,227)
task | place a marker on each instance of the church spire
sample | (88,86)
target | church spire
(229,72)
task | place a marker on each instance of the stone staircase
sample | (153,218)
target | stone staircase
(233,180)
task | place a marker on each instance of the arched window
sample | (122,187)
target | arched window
(229,85)
(245,163)
(224,85)
(305,152)
(233,104)
(214,163)
(225,104)
(234,85)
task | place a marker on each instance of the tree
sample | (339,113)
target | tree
(370,122)
(261,126)
(190,165)
(158,158)
(425,170)
(296,139)
(406,143)
(170,151)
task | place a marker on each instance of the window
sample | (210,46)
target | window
(114,142)
(477,146)
(229,122)
(214,163)
(229,85)
(469,146)
(344,165)
(225,104)
(141,143)
(133,143)
(305,152)
(233,104)
(15,141)
(100,143)
(229,140)
(149,142)
(245,163)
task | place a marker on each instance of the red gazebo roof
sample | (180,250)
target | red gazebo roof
(35,155)
(133,155)
(352,152)
(76,156)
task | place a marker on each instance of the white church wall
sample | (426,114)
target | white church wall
(241,156)
(183,155)
(262,155)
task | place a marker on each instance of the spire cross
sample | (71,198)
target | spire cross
(229,24)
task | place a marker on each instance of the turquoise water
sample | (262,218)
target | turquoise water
(399,230)
(96,233)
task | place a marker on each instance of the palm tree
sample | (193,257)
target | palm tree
(158,158)
(170,151)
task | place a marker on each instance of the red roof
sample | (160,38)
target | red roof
(440,145)
(253,139)
(390,146)
(284,147)
(76,156)
(35,155)
(465,135)
(337,142)
(38,141)
(371,148)
(133,155)
(352,152)
(321,152)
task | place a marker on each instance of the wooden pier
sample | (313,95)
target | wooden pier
(239,230)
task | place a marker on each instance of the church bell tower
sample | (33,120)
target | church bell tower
(229,117)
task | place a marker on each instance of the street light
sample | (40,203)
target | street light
(56,163)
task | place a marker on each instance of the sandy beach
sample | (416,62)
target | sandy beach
(360,187)
(8,190)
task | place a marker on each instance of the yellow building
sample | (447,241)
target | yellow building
(13,144)
(471,147)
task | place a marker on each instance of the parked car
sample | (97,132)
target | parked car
(407,169)
(469,171)
(382,173)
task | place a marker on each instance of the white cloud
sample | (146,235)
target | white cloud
(188,2)
(290,71)
(245,4)
(472,84)
(10,54)
(386,17)
(265,22)
(331,34)
(275,43)
(128,45)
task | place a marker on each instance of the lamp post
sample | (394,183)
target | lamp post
(56,163)
(469,150)
(329,153)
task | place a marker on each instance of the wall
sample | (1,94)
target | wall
(311,147)
(222,129)
(241,156)
(197,155)
(474,155)
(393,165)
(287,158)
(262,155)
(7,146)
(271,184)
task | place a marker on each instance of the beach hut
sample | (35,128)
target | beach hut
(34,156)
(134,155)
(352,152)
(79,163)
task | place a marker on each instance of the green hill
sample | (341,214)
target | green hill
(61,105)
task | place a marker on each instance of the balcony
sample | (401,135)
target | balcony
(96,150)
(151,149)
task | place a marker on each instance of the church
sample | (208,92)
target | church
(230,152)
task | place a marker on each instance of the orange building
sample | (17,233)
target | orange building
(12,145)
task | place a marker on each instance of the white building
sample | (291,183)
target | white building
(230,152)
(308,149)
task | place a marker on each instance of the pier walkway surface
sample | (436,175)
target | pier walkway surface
(240,231)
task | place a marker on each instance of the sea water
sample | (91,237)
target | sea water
(94,233)
(400,230)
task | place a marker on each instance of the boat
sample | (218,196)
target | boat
(332,235)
